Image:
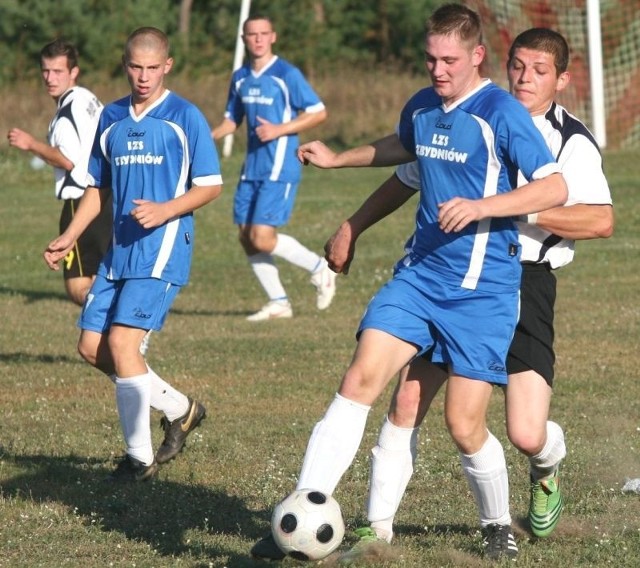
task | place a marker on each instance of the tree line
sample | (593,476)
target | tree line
(317,35)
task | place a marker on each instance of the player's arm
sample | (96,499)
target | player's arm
(390,196)
(88,209)
(577,222)
(267,131)
(538,195)
(227,126)
(387,151)
(151,214)
(50,154)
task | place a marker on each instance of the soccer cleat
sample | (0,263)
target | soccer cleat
(267,549)
(130,469)
(275,309)
(545,505)
(499,542)
(176,432)
(368,548)
(325,282)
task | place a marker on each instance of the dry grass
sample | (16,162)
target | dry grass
(266,385)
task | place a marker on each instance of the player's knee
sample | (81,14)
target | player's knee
(467,434)
(527,440)
(87,351)
(405,406)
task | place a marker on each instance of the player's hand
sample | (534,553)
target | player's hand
(340,249)
(56,250)
(267,131)
(149,214)
(317,153)
(454,215)
(20,139)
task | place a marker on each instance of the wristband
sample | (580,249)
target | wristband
(532,218)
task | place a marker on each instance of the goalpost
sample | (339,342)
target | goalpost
(227,144)
(604,39)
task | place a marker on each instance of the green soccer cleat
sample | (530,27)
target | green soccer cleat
(545,505)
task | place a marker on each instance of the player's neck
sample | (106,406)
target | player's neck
(262,61)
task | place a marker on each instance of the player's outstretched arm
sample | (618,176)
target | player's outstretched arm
(387,151)
(577,222)
(551,191)
(390,196)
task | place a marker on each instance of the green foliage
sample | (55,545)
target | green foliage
(316,35)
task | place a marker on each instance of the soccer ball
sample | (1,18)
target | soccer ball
(307,525)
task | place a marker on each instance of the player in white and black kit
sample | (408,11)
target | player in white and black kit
(537,70)
(70,138)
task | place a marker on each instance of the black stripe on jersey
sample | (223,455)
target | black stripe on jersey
(568,127)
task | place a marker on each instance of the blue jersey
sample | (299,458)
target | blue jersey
(277,93)
(471,149)
(156,156)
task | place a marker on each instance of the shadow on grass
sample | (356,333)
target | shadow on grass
(26,358)
(157,512)
(33,296)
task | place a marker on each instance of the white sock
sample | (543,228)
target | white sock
(296,253)
(132,399)
(172,403)
(486,471)
(554,451)
(391,469)
(333,445)
(267,274)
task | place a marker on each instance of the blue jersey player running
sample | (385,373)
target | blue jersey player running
(277,103)
(153,153)
(456,291)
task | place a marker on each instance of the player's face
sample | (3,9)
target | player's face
(57,76)
(452,66)
(533,79)
(258,37)
(145,70)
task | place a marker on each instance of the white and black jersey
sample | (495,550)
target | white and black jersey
(72,131)
(579,157)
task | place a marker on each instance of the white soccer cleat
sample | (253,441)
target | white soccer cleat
(274,309)
(325,282)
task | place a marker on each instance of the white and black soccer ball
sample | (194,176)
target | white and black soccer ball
(308,525)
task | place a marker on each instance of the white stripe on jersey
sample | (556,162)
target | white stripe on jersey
(281,143)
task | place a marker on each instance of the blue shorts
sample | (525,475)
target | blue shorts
(469,330)
(139,302)
(264,202)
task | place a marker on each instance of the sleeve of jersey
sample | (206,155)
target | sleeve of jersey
(98,170)
(303,97)
(66,139)
(235,109)
(405,128)
(527,148)
(581,165)
(205,164)
(409,175)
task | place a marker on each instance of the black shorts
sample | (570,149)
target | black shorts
(84,258)
(532,345)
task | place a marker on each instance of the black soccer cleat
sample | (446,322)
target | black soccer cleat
(499,542)
(176,432)
(267,549)
(132,470)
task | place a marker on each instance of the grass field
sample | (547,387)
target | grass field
(265,386)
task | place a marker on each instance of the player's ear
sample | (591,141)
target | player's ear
(168,65)
(562,81)
(75,71)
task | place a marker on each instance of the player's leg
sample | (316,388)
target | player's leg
(528,397)
(336,438)
(482,460)
(394,455)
